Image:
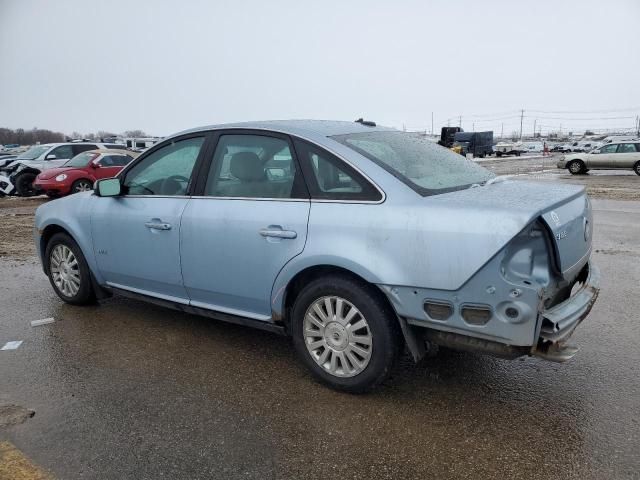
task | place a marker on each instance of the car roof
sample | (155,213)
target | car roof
(324,128)
(111,151)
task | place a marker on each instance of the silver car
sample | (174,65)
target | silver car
(355,240)
(619,155)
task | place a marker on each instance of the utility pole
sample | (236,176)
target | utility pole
(521,118)
(431,123)
(460,121)
(473,128)
(534,127)
(501,131)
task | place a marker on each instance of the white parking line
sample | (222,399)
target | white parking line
(12,345)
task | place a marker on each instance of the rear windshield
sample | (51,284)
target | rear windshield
(423,165)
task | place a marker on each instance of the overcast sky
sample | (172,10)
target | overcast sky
(163,66)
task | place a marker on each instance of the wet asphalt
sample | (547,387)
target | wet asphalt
(126,390)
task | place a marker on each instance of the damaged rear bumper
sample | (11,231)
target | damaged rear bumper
(560,321)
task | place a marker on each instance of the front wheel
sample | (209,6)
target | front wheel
(345,333)
(24,184)
(636,168)
(81,185)
(68,270)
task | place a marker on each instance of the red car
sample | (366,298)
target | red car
(79,173)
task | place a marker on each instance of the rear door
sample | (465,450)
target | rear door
(626,155)
(248,221)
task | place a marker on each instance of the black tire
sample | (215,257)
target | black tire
(576,167)
(81,185)
(386,337)
(636,168)
(499,154)
(24,184)
(85,294)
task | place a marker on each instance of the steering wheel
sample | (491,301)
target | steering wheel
(173,185)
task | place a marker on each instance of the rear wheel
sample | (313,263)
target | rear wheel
(82,185)
(24,184)
(576,167)
(636,168)
(345,333)
(68,270)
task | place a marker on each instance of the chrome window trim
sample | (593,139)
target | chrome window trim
(283,132)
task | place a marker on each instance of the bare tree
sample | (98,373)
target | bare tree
(134,133)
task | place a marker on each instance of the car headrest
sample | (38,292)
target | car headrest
(247,166)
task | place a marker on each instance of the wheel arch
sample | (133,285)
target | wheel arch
(45,237)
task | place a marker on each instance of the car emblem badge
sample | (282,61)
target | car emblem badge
(555,218)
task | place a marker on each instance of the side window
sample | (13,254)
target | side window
(62,152)
(609,148)
(166,171)
(330,178)
(114,160)
(254,166)
(627,148)
(82,148)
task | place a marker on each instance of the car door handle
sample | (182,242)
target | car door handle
(158,225)
(277,233)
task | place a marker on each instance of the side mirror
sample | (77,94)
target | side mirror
(51,156)
(94,165)
(108,187)
(594,151)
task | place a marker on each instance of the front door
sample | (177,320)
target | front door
(136,236)
(604,158)
(248,222)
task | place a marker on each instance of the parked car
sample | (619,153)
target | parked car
(79,173)
(561,148)
(17,177)
(623,155)
(355,240)
(509,148)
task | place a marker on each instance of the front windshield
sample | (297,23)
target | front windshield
(34,152)
(423,165)
(81,160)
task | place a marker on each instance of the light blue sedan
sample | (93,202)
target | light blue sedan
(357,241)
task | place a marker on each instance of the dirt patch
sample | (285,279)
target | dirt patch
(16,235)
(14,415)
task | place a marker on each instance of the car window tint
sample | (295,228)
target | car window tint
(330,178)
(114,160)
(63,151)
(627,148)
(609,148)
(82,148)
(115,146)
(254,166)
(166,171)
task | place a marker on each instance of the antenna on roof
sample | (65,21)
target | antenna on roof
(366,123)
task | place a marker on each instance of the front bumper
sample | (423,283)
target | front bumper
(560,321)
(52,186)
(6,186)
